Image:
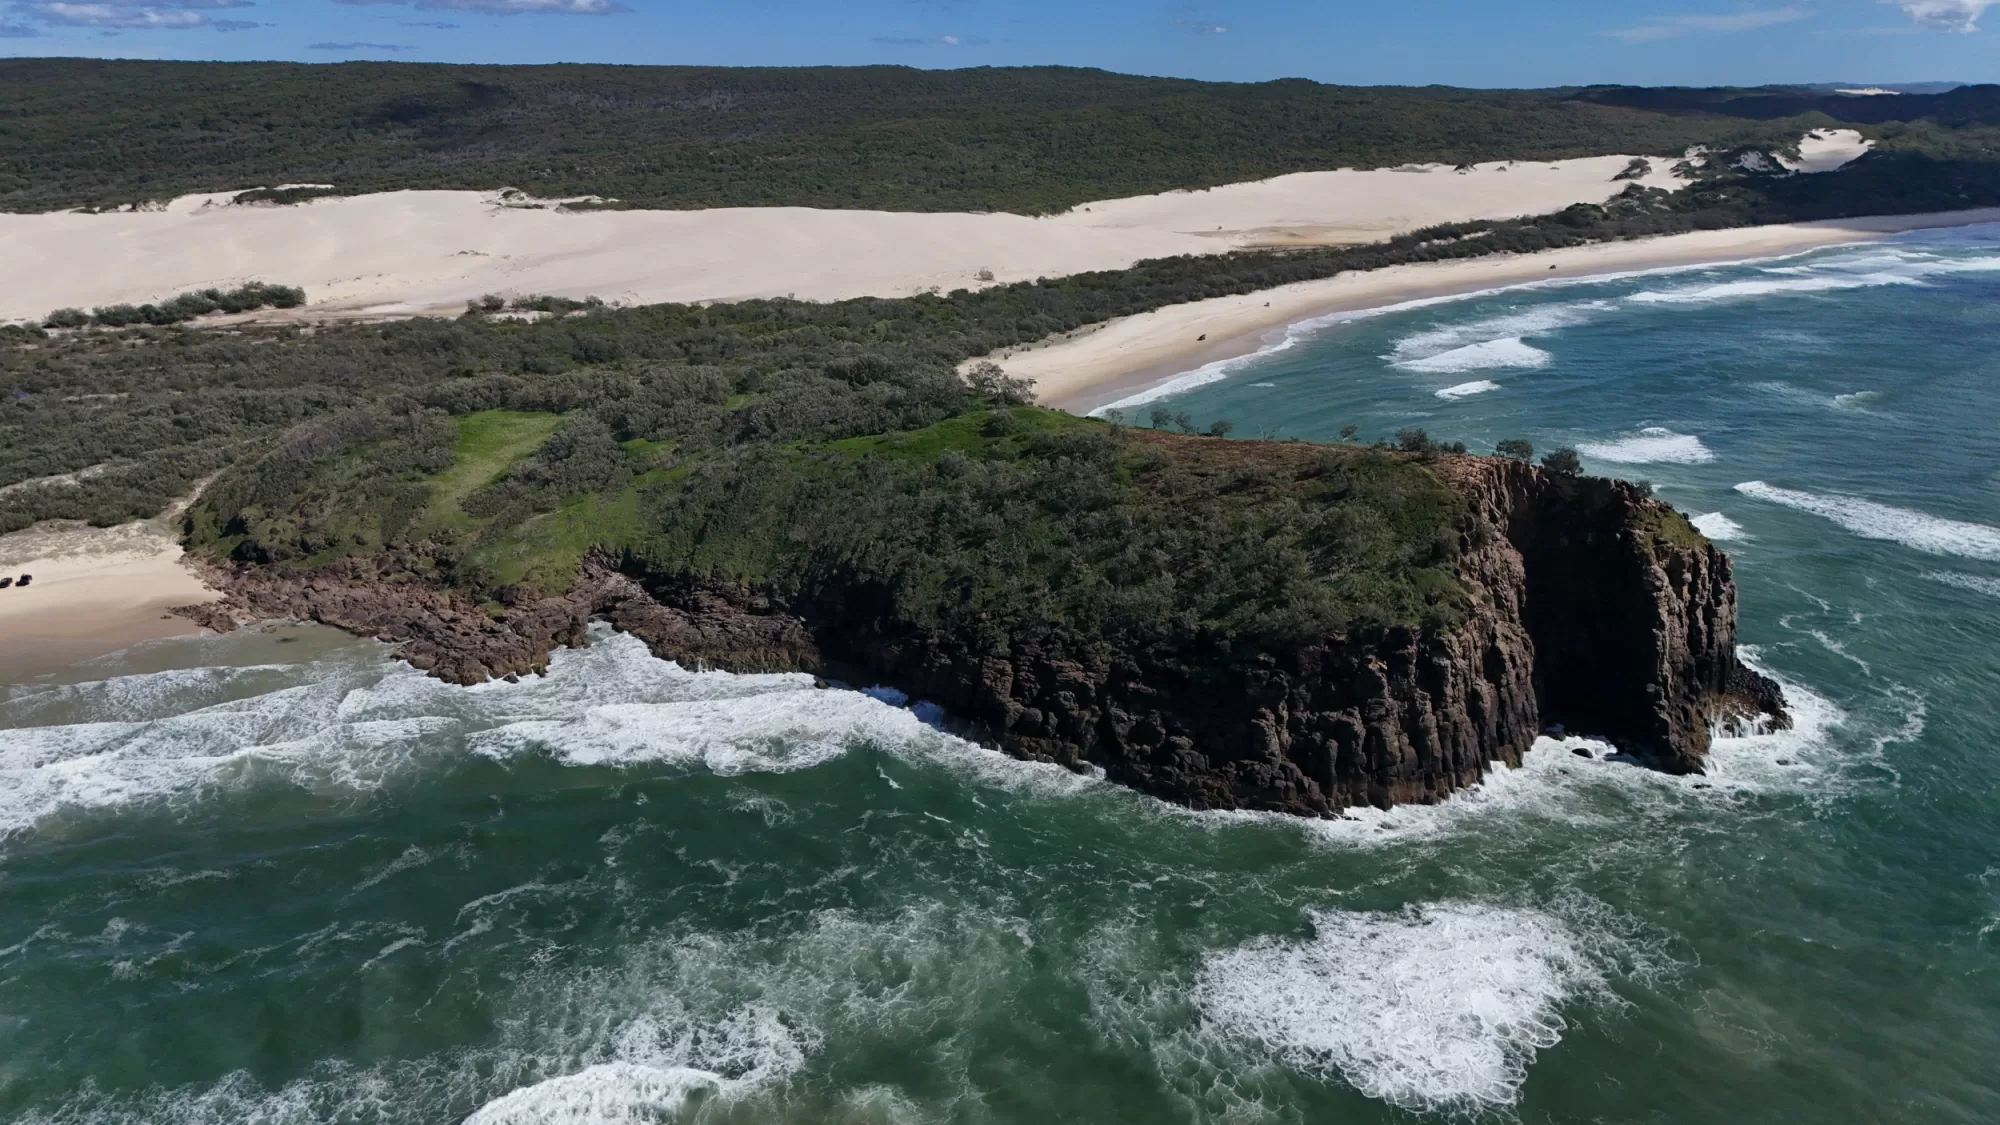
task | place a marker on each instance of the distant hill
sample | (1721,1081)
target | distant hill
(76,132)
(1891,87)
(1958,107)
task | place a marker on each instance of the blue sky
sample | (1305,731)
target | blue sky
(1455,42)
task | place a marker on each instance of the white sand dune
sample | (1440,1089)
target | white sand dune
(409,252)
(1829,150)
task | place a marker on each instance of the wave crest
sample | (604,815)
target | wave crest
(1869,520)
(1491,354)
(1466,390)
(1440,1007)
(1650,445)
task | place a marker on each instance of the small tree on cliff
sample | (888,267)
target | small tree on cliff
(1516,449)
(1221,427)
(1564,462)
(990,379)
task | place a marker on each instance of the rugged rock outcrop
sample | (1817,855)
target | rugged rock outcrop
(465,642)
(1592,607)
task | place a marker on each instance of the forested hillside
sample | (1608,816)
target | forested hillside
(77,132)
(770,442)
(109,425)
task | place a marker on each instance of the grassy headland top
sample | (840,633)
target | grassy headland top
(77,132)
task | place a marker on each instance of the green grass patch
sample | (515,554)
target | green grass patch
(1673,528)
(969,433)
(546,551)
(488,442)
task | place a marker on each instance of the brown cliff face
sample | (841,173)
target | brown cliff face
(1632,612)
(1592,607)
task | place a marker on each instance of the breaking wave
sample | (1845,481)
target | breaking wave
(1650,445)
(1770,287)
(1978,584)
(1510,352)
(1718,527)
(1870,520)
(1508,327)
(1864,271)
(353,726)
(1440,1007)
(1466,390)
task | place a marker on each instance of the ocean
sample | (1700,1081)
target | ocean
(274,877)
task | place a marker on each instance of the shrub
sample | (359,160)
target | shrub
(1564,462)
(990,379)
(188,306)
(1515,449)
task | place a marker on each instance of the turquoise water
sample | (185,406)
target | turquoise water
(275,878)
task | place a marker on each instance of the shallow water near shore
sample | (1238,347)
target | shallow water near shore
(248,878)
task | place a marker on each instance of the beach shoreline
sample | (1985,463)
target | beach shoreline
(1094,367)
(96,590)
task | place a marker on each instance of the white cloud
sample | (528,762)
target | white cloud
(1945,15)
(1672,27)
(934,41)
(132,15)
(512,7)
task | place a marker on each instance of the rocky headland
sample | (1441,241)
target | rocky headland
(1592,607)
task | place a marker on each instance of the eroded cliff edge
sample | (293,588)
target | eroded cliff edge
(1590,606)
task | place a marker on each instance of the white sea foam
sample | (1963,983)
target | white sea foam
(1817,274)
(1465,390)
(769,732)
(1648,446)
(1719,527)
(1485,356)
(660,1065)
(605,1094)
(1870,520)
(1553,784)
(1440,1007)
(1767,287)
(1852,270)
(669,1021)
(1978,584)
(356,725)
(1210,372)
(1501,333)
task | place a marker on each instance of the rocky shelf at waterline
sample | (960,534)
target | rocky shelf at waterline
(1592,607)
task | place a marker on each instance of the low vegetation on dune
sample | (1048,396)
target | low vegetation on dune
(192,305)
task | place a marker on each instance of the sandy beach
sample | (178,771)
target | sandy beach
(95,591)
(415,252)
(1104,364)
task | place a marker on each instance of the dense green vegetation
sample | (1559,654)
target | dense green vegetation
(137,417)
(865,474)
(820,450)
(78,132)
(191,305)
